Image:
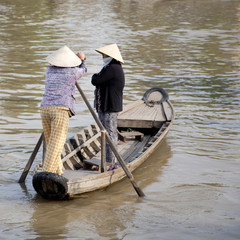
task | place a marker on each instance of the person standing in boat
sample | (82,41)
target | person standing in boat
(109,84)
(58,103)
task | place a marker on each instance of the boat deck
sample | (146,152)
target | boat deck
(145,116)
(128,150)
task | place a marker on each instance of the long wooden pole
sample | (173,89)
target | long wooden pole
(103,150)
(118,156)
(31,159)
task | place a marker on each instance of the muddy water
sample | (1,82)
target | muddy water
(188,47)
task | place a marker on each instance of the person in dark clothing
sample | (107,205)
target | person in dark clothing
(109,84)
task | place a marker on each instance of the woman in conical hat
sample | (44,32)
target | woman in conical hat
(112,51)
(109,84)
(58,102)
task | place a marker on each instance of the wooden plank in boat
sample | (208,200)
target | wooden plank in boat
(132,105)
(128,151)
(94,162)
(95,128)
(68,165)
(144,116)
(96,146)
(79,148)
(124,135)
(81,137)
(168,111)
(132,151)
(70,175)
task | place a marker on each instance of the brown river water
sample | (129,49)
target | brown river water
(192,182)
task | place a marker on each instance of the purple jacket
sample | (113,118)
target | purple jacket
(60,86)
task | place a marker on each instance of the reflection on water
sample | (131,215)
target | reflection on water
(93,215)
(190,48)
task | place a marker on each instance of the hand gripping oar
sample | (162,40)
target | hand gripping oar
(31,159)
(118,156)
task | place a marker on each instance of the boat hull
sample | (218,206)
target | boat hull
(80,151)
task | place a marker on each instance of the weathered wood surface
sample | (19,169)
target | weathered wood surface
(127,150)
(83,181)
(144,116)
(124,135)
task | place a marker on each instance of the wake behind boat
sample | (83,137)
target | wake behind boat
(142,126)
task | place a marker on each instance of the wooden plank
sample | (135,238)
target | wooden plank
(71,175)
(89,151)
(95,128)
(75,162)
(128,149)
(71,160)
(121,148)
(131,105)
(84,155)
(96,146)
(67,148)
(168,111)
(87,148)
(142,112)
(124,135)
(88,132)
(142,116)
(81,146)
(74,141)
(68,165)
(76,158)
(134,149)
(134,123)
(81,137)
(94,162)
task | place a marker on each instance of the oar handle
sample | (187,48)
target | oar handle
(118,156)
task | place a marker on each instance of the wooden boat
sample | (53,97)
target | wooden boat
(142,125)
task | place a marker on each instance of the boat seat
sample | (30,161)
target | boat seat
(94,162)
(124,135)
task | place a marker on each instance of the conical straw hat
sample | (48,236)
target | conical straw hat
(111,50)
(64,57)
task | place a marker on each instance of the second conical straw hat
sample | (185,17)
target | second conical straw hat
(64,57)
(111,50)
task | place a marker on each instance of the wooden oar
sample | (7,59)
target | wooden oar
(118,156)
(31,159)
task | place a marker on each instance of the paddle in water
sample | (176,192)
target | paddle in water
(31,159)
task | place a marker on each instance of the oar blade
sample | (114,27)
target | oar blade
(31,159)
